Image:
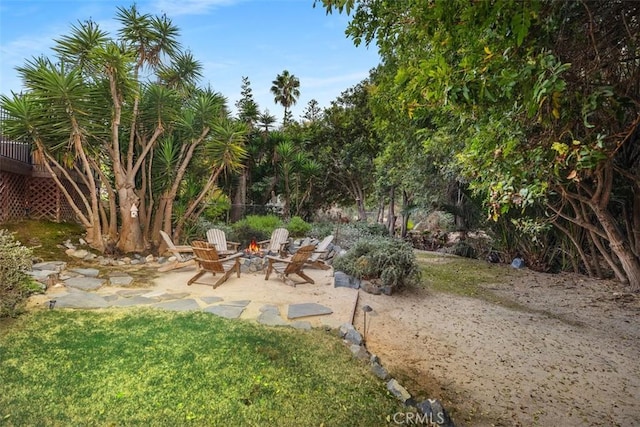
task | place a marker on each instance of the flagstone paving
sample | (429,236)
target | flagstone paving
(82,288)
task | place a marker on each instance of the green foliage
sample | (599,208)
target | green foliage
(298,227)
(263,223)
(154,367)
(218,206)
(243,233)
(390,260)
(15,284)
(346,235)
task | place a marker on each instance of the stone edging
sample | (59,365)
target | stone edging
(428,412)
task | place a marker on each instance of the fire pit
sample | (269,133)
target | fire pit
(252,260)
(253,250)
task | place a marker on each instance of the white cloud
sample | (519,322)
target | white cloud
(190,7)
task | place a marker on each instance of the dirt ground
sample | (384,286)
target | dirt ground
(558,350)
(561,350)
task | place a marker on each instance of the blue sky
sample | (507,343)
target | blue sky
(231,38)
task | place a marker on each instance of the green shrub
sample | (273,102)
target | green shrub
(264,223)
(346,235)
(15,284)
(298,227)
(243,233)
(392,261)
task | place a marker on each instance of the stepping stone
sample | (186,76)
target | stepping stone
(270,316)
(88,272)
(41,275)
(84,283)
(301,324)
(136,300)
(179,305)
(165,296)
(56,266)
(120,280)
(80,300)
(211,300)
(307,309)
(269,307)
(127,293)
(226,311)
(239,303)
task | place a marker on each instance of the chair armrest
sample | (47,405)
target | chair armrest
(233,245)
(182,248)
(273,259)
(263,242)
(234,256)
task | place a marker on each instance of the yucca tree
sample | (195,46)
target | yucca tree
(223,151)
(86,105)
(286,91)
(199,114)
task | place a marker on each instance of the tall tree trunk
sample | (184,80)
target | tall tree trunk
(240,197)
(628,261)
(391,215)
(406,201)
(130,230)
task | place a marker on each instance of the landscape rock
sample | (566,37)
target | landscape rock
(84,283)
(398,391)
(343,280)
(350,334)
(379,371)
(435,413)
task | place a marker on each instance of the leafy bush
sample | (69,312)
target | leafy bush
(346,235)
(264,223)
(244,233)
(15,284)
(392,261)
(298,227)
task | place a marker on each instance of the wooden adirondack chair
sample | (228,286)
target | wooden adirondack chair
(177,251)
(318,258)
(219,239)
(277,243)
(209,262)
(292,265)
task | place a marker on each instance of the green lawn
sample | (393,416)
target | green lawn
(151,367)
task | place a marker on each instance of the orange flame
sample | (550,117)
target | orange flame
(253,247)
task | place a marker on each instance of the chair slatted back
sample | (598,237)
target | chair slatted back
(321,249)
(278,237)
(218,238)
(207,256)
(298,259)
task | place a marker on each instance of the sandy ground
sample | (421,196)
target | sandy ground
(253,287)
(568,354)
(561,350)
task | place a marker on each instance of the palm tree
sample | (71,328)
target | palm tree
(286,92)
